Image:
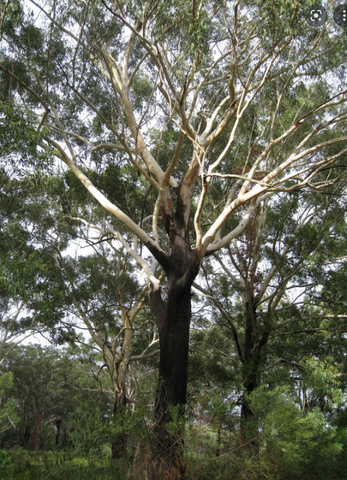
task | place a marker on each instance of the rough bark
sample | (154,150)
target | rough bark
(38,436)
(251,360)
(251,365)
(173,318)
(253,354)
(172,385)
(119,439)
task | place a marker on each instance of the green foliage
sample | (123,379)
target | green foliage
(289,441)
(19,139)
(287,15)
(323,380)
(10,15)
(90,434)
(20,465)
(296,444)
(8,408)
(182,20)
(47,386)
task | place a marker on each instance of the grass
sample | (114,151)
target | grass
(21,465)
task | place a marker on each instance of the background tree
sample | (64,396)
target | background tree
(264,287)
(102,291)
(47,386)
(57,294)
(29,281)
(8,416)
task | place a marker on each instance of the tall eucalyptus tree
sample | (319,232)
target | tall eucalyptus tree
(194,100)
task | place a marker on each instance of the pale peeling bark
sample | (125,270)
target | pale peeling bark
(252,191)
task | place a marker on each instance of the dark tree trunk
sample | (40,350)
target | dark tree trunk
(57,435)
(119,439)
(249,422)
(38,436)
(249,426)
(250,384)
(172,385)
(173,319)
(174,345)
(253,354)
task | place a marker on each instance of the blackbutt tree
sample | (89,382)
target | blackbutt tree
(191,100)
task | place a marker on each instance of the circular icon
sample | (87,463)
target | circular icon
(340,15)
(316,15)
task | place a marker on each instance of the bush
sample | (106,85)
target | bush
(292,444)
